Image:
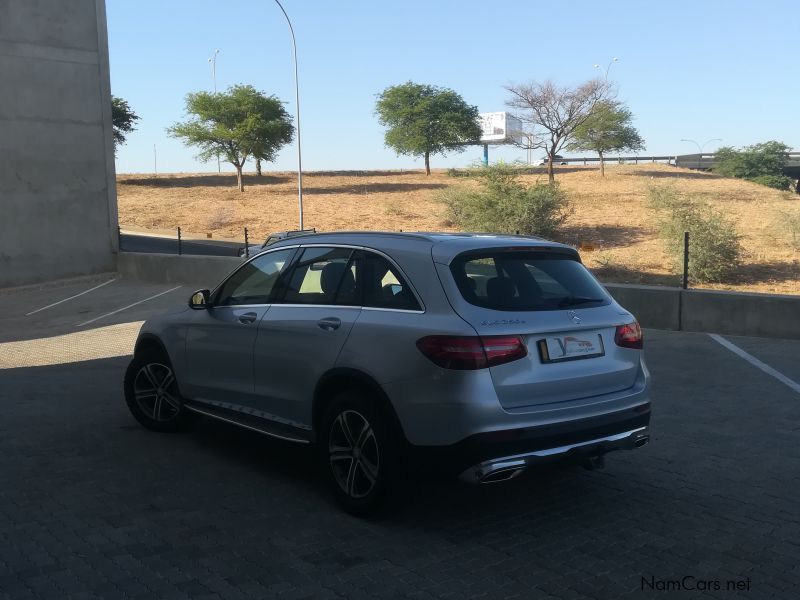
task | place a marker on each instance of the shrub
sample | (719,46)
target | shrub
(714,246)
(779,182)
(503,204)
(760,163)
(790,223)
(768,158)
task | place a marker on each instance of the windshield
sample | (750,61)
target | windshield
(522,281)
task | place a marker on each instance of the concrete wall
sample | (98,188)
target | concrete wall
(58,210)
(762,315)
(729,313)
(656,307)
(205,271)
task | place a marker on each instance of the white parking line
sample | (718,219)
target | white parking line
(33,312)
(119,310)
(755,362)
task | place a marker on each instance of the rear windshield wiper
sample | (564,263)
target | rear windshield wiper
(575,300)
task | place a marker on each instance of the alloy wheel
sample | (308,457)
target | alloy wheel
(353,453)
(156,392)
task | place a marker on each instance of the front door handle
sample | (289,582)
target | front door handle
(329,323)
(247,318)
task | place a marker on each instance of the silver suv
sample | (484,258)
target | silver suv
(480,355)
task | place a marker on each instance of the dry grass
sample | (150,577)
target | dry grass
(611,222)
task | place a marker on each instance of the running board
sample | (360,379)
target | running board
(251,422)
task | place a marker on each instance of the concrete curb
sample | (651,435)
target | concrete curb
(710,311)
(728,313)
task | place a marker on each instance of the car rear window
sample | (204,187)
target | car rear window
(524,280)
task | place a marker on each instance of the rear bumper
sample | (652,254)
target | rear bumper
(508,467)
(485,456)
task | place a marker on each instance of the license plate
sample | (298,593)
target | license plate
(570,347)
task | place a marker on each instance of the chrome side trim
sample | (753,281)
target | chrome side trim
(249,411)
(483,471)
(397,310)
(220,306)
(329,306)
(244,426)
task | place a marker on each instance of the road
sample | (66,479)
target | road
(94,506)
(154,244)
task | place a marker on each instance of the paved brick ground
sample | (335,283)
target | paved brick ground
(93,506)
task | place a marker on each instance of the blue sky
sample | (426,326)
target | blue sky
(699,69)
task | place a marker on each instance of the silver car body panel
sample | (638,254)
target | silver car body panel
(274,364)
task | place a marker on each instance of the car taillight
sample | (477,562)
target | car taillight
(466,353)
(629,336)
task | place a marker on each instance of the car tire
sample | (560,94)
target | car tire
(152,394)
(358,453)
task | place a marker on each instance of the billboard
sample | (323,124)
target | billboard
(498,127)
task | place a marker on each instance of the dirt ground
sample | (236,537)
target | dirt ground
(611,222)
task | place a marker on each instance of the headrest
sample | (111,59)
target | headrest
(500,289)
(330,276)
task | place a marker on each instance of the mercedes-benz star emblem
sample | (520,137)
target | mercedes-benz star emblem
(574,316)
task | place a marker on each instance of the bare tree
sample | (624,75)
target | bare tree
(551,114)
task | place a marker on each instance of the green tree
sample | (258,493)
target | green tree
(424,119)
(236,125)
(608,129)
(762,163)
(122,119)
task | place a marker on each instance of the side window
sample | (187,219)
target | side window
(253,282)
(324,276)
(384,287)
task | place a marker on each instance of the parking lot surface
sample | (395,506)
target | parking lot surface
(94,506)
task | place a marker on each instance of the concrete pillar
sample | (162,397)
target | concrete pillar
(58,214)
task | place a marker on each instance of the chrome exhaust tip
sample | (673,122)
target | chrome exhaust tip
(641,441)
(494,472)
(502,475)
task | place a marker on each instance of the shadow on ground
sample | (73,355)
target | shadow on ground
(765,272)
(673,175)
(374,188)
(620,274)
(361,173)
(602,236)
(188,181)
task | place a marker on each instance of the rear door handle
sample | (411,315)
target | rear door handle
(329,323)
(247,318)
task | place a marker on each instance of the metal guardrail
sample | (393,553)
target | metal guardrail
(698,162)
(617,159)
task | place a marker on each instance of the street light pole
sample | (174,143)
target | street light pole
(608,68)
(213,62)
(701,148)
(297,108)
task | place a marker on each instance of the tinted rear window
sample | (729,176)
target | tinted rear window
(518,281)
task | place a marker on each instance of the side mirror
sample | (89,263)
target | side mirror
(200,300)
